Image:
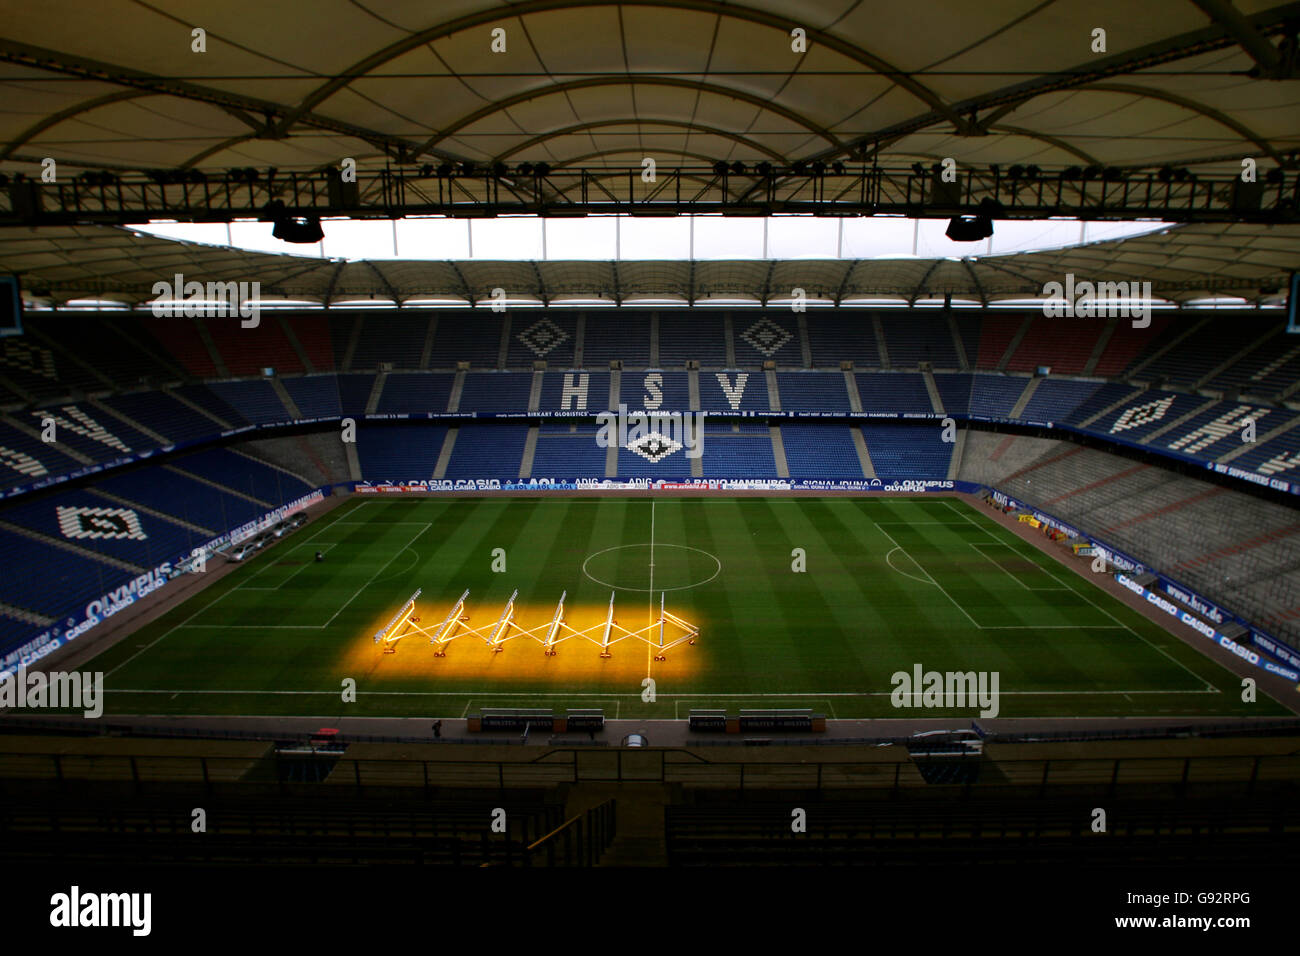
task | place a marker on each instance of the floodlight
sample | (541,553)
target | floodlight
(300,229)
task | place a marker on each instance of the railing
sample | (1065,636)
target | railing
(893,771)
(579,841)
(77,727)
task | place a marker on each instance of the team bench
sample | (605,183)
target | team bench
(518,718)
(714,721)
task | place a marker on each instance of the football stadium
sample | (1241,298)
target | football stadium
(673,433)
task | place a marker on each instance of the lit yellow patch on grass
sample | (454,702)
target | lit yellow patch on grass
(576,665)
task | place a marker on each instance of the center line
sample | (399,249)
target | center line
(649,647)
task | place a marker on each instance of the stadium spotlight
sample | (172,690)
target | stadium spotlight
(720,167)
(445,170)
(300,229)
(838,167)
(1032,171)
(969,228)
(542,169)
(738,168)
(524,169)
(468,169)
(918,169)
(976,227)
(500,170)
(764,168)
(1016,172)
(800,168)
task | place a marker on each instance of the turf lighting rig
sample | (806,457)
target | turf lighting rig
(666,632)
(446,631)
(548,644)
(656,634)
(397,628)
(689,631)
(501,630)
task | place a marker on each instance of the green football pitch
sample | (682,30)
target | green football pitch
(888,584)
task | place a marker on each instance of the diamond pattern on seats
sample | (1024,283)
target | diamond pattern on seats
(542,337)
(99,523)
(654,447)
(766,336)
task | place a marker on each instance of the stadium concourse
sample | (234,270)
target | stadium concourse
(757,373)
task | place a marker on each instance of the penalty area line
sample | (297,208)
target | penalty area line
(329,523)
(1014,541)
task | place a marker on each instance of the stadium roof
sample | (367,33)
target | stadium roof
(1182,263)
(1199,84)
(591,82)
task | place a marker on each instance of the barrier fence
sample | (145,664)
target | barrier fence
(890,772)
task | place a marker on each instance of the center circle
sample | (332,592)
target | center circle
(676,567)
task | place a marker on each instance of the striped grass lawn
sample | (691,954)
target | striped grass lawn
(889,583)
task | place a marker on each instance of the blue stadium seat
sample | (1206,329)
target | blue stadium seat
(908,451)
(821,451)
(686,337)
(254,398)
(894,393)
(738,455)
(488,451)
(399,452)
(496,392)
(561,453)
(415,394)
(317,396)
(731,392)
(1055,399)
(813,392)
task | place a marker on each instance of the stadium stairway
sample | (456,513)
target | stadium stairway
(639,838)
(286,399)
